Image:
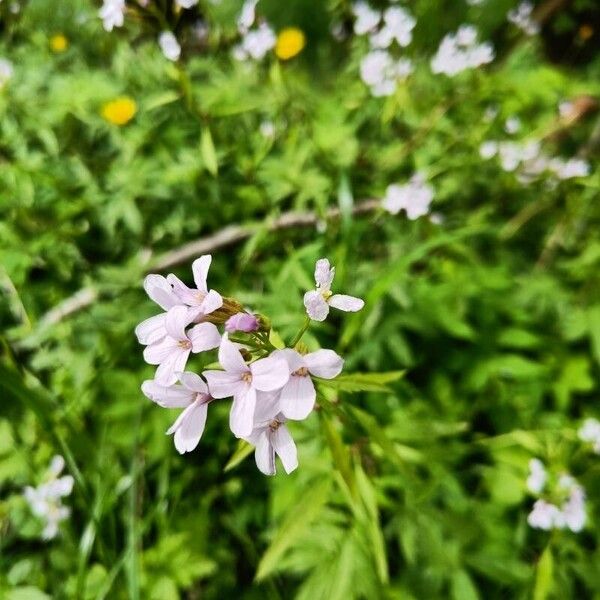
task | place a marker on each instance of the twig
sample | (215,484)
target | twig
(227,236)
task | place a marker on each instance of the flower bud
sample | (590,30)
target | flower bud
(242,321)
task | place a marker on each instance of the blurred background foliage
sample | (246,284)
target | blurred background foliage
(417,492)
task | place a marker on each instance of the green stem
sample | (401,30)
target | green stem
(299,335)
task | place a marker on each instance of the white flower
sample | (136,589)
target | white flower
(256,43)
(414,197)
(574,167)
(512,125)
(398,25)
(590,432)
(522,18)
(460,51)
(545,516)
(247,16)
(169,45)
(192,395)
(381,72)
(367,18)
(298,395)
(242,382)
(6,71)
(317,302)
(537,476)
(45,500)
(488,149)
(186,3)
(267,129)
(112,14)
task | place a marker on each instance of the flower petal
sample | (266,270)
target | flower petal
(223,384)
(316,307)
(193,382)
(324,274)
(294,359)
(267,408)
(241,417)
(269,374)
(230,357)
(200,269)
(204,336)
(176,322)
(264,455)
(284,446)
(174,363)
(151,330)
(189,427)
(182,291)
(346,303)
(324,363)
(160,291)
(156,353)
(298,397)
(212,301)
(174,396)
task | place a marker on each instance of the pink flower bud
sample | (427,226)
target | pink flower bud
(242,321)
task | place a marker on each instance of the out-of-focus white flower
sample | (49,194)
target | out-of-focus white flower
(567,169)
(398,24)
(491,112)
(247,16)
(488,149)
(537,476)
(459,51)
(367,18)
(590,432)
(414,197)
(523,19)
(512,125)
(45,500)
(318,301)
(267,129)
(6,71)
(381,72)
(475,2)
(186,3)
(169,45)
(565,108)
(112,14)
(256,43)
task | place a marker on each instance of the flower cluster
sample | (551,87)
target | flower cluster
(269,385)
(522,18)
(566,507)
(460,51)
(590,432)
(258,37)
(413,197)
(45,500)
(112,14)
(379,69)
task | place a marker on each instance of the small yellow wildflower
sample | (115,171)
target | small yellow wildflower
(119,111)
(58,43)
(290,42)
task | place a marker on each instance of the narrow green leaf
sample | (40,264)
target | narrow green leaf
(543,575)
(243,450)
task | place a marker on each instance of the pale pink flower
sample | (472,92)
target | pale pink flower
(242,321)
(298,395)
(171,353)
(242,382)
(317,302)
(192,395)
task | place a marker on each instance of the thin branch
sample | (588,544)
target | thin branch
(227,236)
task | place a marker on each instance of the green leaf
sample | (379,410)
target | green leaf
(243,450)
(543,575)
(462,587)
(208,152)
(296,524)
(362,382)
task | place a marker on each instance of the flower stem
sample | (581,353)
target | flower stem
(299,335)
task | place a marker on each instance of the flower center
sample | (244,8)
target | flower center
(326,294)
(185,344)
(301,372)
(200,296)
(247,377)
(274,425)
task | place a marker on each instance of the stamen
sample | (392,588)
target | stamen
(301,372)
(274,425)
(247,377)
(186,344)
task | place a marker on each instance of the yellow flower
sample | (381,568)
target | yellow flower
(119,111)
(58,43)
(290,42)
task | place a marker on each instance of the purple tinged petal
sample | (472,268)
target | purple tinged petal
(174,396)
(185,294)
(264,454)
(298,397)
(151,330)
(284,446)
(242,321)
(193,382)
(189,427)
(324,363)
(211,302)
(241,417)
(230,357)
(346,303)
(269,374)
(174,363)
(156,353)
(176,322)
(200,269)
(267,408)
(316,307)
(294,359)
(160,291)
(324,274)
(204,336)
(223,384)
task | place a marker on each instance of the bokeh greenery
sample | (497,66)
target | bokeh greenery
(494,313)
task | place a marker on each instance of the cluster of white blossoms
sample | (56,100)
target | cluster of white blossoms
(45,500)
(590,432)
(6,71)
(112,14)
(258,37)
(460,51)
(413,197)
(567,511)
(528,160)
(268,385)
(523,19)
(379,69)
